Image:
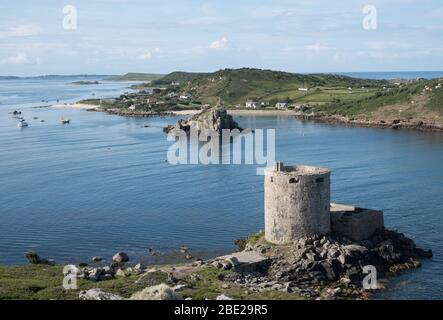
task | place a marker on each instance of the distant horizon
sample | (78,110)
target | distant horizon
(166,73)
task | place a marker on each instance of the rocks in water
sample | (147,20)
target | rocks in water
(216,119)
(98,294)
(312,265)
(96,259)
(120,258)
(423,253)
(184,249)
(34,258)
(160,292)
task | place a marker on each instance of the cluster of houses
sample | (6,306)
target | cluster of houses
(279,105)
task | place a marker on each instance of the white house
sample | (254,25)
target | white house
(186,96)
(251,104)
(171,94)
(281,105)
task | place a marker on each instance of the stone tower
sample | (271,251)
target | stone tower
(297,202)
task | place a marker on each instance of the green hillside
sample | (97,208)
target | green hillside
(237,86)
(137,77)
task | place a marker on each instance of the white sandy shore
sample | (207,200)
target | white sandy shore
(186,112)
(191,112)
(75,106)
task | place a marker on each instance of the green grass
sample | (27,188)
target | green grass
(137,77)
(436,101)
(38,282)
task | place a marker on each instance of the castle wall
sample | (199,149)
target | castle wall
(297,203)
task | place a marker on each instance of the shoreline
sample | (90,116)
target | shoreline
(312,268)
(321,118)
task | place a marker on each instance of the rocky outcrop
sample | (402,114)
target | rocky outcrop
(34,258)
(327,267)
(215,119)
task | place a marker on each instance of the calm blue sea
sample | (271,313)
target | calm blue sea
(101,184)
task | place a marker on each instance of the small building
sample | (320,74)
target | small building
(281,105)
(186,96)
(171,94)
(303,89)
(251,104)
(135,107)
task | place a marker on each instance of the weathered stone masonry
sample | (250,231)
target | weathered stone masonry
(297,205)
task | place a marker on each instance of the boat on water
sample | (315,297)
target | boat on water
(65,121)
(22,124)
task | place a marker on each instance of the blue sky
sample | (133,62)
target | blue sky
(119,36)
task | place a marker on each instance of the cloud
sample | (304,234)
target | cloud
(317,47)
(24,30)
(20,58)
(147,54)
(207,21)
(219,44)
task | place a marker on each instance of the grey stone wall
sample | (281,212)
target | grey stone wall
(297,203)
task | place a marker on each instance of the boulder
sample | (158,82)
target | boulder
(245,261)
(160,292)
(223,297)
(120,273)
(120,257)
(98,294)
(33,257)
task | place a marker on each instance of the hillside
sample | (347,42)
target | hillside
(136,77)
(412,103)
(415,101)
(235,87)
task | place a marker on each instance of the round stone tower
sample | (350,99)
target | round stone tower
(297,202)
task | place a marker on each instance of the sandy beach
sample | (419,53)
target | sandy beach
(186,112)
(81,106)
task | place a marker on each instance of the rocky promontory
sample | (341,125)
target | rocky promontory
(321,267)
(215,119)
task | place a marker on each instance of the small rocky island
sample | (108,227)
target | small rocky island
(216,119)
(85,83)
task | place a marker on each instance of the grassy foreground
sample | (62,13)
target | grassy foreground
(38,282)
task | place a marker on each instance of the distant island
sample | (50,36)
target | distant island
(83,82)
(136,77)
(416,104)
